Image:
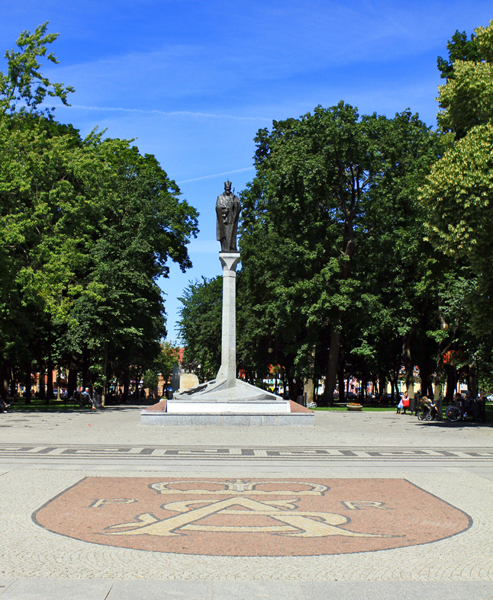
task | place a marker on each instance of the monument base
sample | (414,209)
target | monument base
(214,403)
(165,419)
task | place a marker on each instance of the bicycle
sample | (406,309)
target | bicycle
(458,412)
(80,399)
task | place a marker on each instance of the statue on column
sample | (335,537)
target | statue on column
(227,212)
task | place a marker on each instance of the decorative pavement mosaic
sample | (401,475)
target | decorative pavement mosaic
(325,453)
(251,517)
(61,523)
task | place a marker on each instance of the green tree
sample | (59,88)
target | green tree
(86,229)
(459,49)
(200,325)
(135,223)
(24,83)
(466,99)
(458,194)
(327,186)
(168,358)
(397,270)
(163,364)
(34,181)
(458,199)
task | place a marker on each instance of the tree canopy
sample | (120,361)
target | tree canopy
(24,83)
(458,195)
(334,198)
(200,325)
(466,99)
(87,226)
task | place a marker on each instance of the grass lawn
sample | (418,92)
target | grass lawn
(40,405)
(489,410)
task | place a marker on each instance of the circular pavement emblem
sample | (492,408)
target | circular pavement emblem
(251,517)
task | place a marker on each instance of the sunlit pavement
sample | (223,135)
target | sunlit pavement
(363,505)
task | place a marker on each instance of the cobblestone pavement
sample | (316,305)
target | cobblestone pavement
(42,455)
(117,425)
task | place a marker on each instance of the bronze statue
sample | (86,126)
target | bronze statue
(227,211)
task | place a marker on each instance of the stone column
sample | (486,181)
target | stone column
(229,261)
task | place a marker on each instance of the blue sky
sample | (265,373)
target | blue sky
(193,81)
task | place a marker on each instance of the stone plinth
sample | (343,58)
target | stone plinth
(214,403)
(217,407)
(164,419)
(219,397)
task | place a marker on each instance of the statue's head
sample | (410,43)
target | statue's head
(227,186)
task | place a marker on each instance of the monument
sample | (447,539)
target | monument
(227,214)
(227,400)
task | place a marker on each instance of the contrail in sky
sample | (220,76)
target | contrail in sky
(215,175)
(180,113)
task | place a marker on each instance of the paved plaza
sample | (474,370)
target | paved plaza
(363,505)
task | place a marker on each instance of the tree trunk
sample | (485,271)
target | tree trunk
(309,390)
(394,390)
(284,383)
(105,367)
(13,388)
(342,391)
(85,368)
(28,383)
(72,382)
(382,384)
(126,384)
(42,380)
(408,364)
(309,387)
(4,390)
(58,383)
(473,381)
(331,377)
(424,377)
(364,388)
(49,383)
(137,384)
(295,389)
(451,382)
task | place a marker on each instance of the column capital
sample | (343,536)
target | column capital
(229,260)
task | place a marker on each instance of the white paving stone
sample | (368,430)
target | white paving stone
(28,551)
